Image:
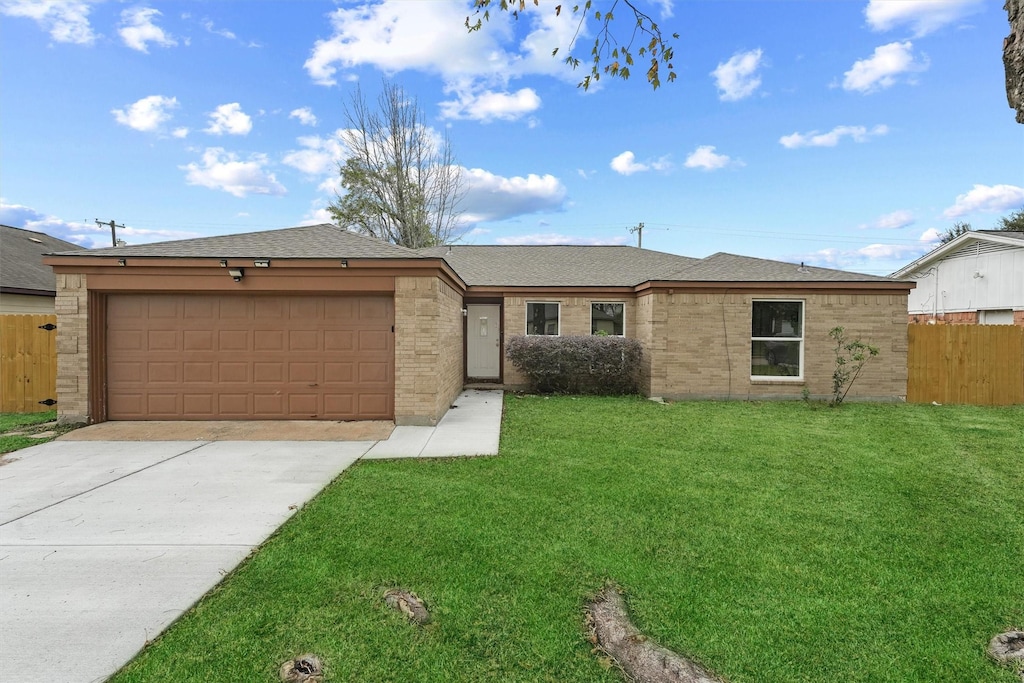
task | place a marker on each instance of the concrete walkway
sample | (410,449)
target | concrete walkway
(103,544)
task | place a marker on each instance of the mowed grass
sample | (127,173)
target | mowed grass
(771,541)
(24,422)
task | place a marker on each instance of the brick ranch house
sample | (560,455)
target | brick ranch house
(319,323)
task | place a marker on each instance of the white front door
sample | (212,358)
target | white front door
(483,341)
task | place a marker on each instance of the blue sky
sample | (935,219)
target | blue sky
(840,133)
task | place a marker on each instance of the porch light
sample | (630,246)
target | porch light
(344,263)
(236,274)
(122,262)
(223,263)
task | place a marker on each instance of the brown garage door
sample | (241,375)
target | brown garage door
(249,357)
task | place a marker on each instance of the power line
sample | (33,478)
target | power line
(113,230)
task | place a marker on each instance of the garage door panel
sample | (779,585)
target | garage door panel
(268,340)
(303,340)
(233,372)
(197,372)
(251,356)
(163,372)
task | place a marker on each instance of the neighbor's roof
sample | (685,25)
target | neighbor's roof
(21,262)
(1008,238)
(558,266)
(309,242)
(605,266)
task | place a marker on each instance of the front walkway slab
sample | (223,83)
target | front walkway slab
(111,561)
(472,426)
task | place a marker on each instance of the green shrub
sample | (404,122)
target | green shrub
(578,365)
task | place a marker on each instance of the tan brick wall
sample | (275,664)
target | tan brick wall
(428,349)
(72,309)
(574,313)
(700,345)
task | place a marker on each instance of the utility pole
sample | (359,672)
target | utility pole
(639,230)
(113,230)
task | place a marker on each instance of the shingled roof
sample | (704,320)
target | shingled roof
(309,242)
(21,262)
(558,266)
(598,266)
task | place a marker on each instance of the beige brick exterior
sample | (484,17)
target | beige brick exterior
(698,344)
(428,349)
(574,313)
(72,308)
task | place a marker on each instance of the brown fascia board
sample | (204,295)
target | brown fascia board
(839,285)
(105,264)
(498,290)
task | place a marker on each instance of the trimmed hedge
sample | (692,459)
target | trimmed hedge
(578,365)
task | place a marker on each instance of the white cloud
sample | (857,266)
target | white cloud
(180,133)
(554,238)
(222,170)
(230,119)
(491,197)
(738,78)
(923,16)
(86,234)
(831,138)
(317,215)
(67,21)
(704,157)
(883,68)
(318,155)
(489,105)
(222,32)
(626,164)
(137,29)
(147,114)
(893,221)
(986,198)
(305,116)
(845,258)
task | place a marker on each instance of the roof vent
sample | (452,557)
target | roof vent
(803,268)
(35,239)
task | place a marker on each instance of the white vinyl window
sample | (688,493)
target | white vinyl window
(608,318)
(777,339)
(542,317)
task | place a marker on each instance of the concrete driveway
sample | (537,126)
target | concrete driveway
(103,544)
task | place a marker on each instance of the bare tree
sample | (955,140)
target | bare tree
(401,181)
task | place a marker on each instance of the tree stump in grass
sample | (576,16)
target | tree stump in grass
(639,658)
(409,604)
(1008,648)
(303,669)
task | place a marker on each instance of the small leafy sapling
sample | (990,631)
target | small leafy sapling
(851,355)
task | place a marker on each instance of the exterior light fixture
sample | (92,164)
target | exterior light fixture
(236,274)
(344,263)
(122,262)
(262,263)
(223,263)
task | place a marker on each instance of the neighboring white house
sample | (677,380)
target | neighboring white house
(977,278)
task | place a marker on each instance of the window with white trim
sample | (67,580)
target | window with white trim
(608,317)
(542,317)
(777,339)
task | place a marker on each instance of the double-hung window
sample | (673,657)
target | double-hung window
(777,339)
(607,318)
(542,317)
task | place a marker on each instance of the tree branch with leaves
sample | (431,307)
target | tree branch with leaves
(609,55)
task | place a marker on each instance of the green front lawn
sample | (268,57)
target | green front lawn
(24,424)
(773,541)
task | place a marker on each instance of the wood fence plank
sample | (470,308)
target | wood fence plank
(966,364)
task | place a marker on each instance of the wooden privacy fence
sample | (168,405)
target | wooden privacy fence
(28,363)
(979,365)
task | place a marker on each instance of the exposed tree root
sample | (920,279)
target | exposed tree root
(303,669)
(639,658)
(409,604)
(1008,648)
